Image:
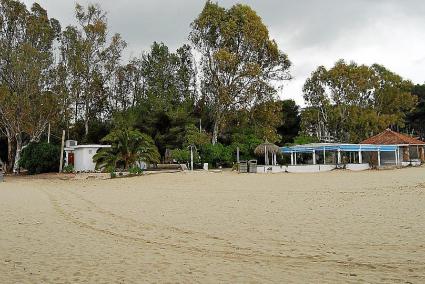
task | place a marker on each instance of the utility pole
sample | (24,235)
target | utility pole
(61,153)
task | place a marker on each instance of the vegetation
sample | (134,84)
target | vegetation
(416,118)
(224,98)
(128,148)
(40,158)
(239,61)
(68,169)
(351,102)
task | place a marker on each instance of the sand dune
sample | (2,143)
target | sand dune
(216,227)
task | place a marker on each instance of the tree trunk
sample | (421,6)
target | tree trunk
(16,167)
(10,154)
(215,132)
(86,126)
(86,120)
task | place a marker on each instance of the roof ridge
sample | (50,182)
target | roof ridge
(389,136)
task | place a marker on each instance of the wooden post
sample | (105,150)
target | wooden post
(61,153)
(379,158)
(237,155)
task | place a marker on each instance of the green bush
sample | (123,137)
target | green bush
(68,169)
(217,155)
(181,156)
(304,139)
(135,170)
(40,158)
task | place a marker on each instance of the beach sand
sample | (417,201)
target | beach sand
(337,227)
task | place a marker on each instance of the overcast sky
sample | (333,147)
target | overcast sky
(311,32)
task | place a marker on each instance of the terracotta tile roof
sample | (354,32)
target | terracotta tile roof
(389,137)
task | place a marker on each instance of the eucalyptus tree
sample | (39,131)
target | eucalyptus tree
(27,74)
(90,61)
(240,63)
(416,119)
(169,78)
(350,102)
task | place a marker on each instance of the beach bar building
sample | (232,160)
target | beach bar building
(410,151)
(387,149)
(319,157)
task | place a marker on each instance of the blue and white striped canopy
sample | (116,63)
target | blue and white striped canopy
(309,148)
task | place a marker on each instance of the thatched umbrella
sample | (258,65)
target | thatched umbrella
(265,149)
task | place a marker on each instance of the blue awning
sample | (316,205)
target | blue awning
(341,147)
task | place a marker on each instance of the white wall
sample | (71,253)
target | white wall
(357,167)
(83,159)
(310,168)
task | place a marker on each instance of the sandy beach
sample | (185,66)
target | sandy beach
(337,227)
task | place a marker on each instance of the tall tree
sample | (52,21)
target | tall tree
(350,102)
(240,63)
(166,94)
(90,61)
(416,118)
(291,122)
(27,72)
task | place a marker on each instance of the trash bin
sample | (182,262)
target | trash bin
(252,166)
(243,167)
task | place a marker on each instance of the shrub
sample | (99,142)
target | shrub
(135,170)
(304,139)
(181,155)
(217,155)
(40,158)
(68,169)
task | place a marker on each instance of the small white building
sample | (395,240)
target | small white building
(81,156)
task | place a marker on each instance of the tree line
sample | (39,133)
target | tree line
(217,92)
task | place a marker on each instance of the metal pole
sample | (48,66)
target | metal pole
(48,135)
(324,155)
(191,158)
(237,155)
(314,157)
(61,154)
(379,158)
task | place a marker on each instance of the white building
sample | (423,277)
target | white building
(81,156)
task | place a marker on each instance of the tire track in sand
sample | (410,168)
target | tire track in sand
(141,233)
